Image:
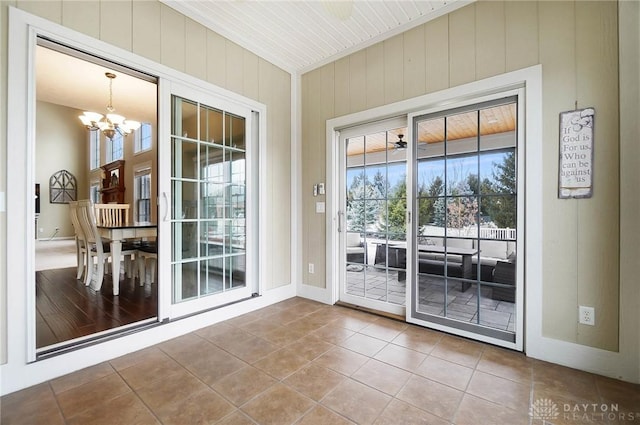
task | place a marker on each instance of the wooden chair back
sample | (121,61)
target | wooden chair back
(111,214)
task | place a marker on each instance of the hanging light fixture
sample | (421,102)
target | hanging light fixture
(111,123)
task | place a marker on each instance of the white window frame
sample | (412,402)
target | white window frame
(94,150)
(137,138)
(94,184)
(117,138)
(139,171)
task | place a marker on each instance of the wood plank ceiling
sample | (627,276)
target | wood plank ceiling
(302,35)
(494,120)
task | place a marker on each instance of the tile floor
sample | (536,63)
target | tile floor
(301,362)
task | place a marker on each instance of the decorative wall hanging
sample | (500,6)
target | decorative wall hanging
(575,173)
(63,188)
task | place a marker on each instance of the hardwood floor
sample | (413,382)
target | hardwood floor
(66,309)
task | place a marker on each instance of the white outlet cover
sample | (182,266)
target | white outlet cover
(320,207)
(587,315)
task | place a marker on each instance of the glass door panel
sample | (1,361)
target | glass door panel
(374,202)
(208,204)
(466,203)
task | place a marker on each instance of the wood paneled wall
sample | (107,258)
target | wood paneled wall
(576,43)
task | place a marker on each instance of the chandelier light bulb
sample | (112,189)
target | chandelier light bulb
(111,123)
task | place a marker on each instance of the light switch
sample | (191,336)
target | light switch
(320,188)
(320,207)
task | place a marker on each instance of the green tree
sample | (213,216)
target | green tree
(503,209)
(363,204)
(393,220)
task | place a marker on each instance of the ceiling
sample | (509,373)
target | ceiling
(66,80)
(295,35)
(302,35)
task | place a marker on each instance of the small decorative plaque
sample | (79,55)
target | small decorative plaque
(575,178)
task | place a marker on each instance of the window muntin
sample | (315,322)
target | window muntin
(209,205)
(142,195)
(143,138)
(115,147)
(94,150)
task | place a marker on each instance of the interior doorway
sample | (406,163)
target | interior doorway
(68,83)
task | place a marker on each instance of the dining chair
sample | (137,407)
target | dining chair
(81,243)
(111,214)
(96,248)
(147,254)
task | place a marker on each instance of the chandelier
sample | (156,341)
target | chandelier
(111,123)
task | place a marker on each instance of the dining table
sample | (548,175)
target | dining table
(116,234)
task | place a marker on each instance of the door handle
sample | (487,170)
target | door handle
(166,206)
(340,214)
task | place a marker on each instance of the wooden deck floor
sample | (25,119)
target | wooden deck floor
(66,309)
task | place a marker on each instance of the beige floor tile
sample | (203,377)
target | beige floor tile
(310,347)
(171,389)
(439,399)
(186,347)
(364,344)
(625,394)
(333,333)
(382,376)
(35,405)
(218,330)
(341,360)
(353,323)
(501,391)
(282,336)
(506,364)
(314,381)
(445,372)
(566,409)
(458,350)
(399,412)
(259,327)
(252,349)
(81,377)
(356,401)
(384,329)
(281,363)
(278,405)
(236,418)
(401,357)
(214,364)
(147,355)
(474,411)
(80,398)
(144,373)
(418,339)
(243,385)
(561,380)
(202,407)
(322,416)
(125,409)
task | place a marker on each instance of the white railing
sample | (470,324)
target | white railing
(472,232)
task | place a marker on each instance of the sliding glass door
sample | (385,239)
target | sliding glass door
(374,203)
(210,211)
(466,197)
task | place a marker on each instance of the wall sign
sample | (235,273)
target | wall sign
(575,178)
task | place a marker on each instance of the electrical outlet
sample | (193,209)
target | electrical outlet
(311,268)
(41,230)
(587,315)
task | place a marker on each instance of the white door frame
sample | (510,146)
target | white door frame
(528,78)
